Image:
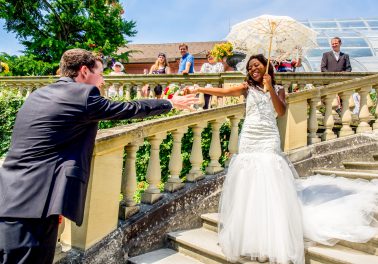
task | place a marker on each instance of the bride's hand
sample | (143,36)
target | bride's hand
(190,90)
(267,81)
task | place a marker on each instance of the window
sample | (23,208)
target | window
(354,42)
(324,24)
(323,42)
(316,52)
(351,24)
(373,23)
(358,52)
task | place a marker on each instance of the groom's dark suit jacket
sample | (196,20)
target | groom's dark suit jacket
(330,64)
(47,167)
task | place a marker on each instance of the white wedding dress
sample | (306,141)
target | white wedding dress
(265,211)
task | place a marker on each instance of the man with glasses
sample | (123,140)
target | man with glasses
(187,60)
(46,171)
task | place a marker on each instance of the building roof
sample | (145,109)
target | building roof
(148,52)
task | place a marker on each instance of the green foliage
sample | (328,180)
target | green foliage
(48,28)
(10,103)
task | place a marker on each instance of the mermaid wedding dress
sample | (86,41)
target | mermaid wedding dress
(265,211)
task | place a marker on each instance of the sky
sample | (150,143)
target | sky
(172,21)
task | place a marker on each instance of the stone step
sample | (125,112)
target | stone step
(210,221)
(370,247)
(338,255)
(163,256)
(361,165)
(201,244)
(352,174)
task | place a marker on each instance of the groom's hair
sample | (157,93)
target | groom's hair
(261,58)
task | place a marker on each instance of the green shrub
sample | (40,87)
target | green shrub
(10,103)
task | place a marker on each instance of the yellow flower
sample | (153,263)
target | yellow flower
(222,50)
(5,67)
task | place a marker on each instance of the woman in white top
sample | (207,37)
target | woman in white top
(212,66)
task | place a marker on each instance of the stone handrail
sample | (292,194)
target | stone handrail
(123,85)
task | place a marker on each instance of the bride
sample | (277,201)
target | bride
(264,212)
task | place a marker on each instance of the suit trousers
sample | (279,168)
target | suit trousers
(28,241)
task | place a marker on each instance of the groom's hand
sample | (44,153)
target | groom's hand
(183,102)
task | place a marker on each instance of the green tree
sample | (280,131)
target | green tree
(49,27)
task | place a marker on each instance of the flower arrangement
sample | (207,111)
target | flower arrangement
(222,50)
(4,67)
(170,90)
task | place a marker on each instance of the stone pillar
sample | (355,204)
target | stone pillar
(234,138)
(375,125)
(215,150)
(102,202)
(196,157)
(364,115)
(346,114)
(128,206)
(312,121)
(139,90)
(128,91)
(152,194)
(328,118)
(175,163)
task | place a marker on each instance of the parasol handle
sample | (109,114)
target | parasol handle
(267,65)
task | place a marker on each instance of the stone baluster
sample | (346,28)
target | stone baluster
(152,90)
(364,114)
(129,182)
(20,91)
(312,121)
(104,90)
(214,99)
(215,150)
(196,156)
(370,104)
(335,105)
(152,194)
(29,90)
(139,90)
(375,125)
(201,101)
(234,138)
(346,114)
(175,163)
(328,118)
(128,88)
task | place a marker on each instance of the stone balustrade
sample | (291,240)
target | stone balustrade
(300,126)
(131,86)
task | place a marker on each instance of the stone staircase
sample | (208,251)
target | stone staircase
(201,245)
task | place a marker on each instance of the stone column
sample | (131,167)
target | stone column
(128,91)
(234,138)
(312,121)
(215,150)
(196,156)
(128,206)
(152,194)
(375,125)
(139,90)
(346,114)
(364,115)
(328,118)
(175,163)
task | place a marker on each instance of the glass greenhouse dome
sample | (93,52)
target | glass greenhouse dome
(359,39)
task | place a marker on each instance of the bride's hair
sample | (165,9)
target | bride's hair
(261,58)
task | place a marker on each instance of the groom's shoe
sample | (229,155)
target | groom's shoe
(262,259)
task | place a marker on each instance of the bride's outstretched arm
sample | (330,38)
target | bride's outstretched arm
(231,91)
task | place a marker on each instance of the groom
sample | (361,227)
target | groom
(46,171)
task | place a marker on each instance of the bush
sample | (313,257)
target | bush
(10,103)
